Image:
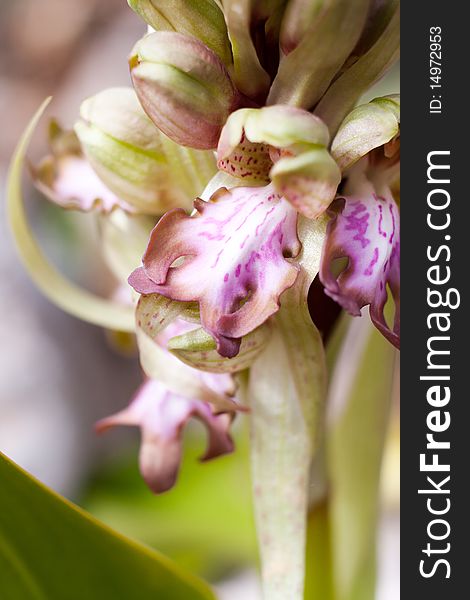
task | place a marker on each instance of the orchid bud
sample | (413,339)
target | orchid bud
(123,147)
(299,18)
(184,87)
(318,42)
(367,127)
(286,145)
(201,19)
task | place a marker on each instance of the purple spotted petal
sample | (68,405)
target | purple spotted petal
(231,258)
(161,416)
(365,229)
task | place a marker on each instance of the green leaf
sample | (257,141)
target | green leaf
(358,410)
(52,550)
(59,290)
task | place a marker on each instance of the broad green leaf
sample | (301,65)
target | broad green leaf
(59,290)
(52,550)
(358,410)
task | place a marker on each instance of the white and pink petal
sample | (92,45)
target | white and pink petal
(365,229)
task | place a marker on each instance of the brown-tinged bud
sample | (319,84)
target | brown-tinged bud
(184,88)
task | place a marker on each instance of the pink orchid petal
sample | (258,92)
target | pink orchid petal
(162,415)
(365,229)
(234,264)
(72,183)
(253,139)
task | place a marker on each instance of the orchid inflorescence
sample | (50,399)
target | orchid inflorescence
(251,107)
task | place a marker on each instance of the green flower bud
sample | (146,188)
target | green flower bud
(201,19)
(184,88)
(318,40)
(123,146)
(367,127)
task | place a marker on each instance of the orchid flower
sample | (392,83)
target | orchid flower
(162,412)
(244,163)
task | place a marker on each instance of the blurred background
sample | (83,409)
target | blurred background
(59,375)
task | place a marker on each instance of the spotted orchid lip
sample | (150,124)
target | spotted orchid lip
(365,229)
(231,256)
(161,415)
